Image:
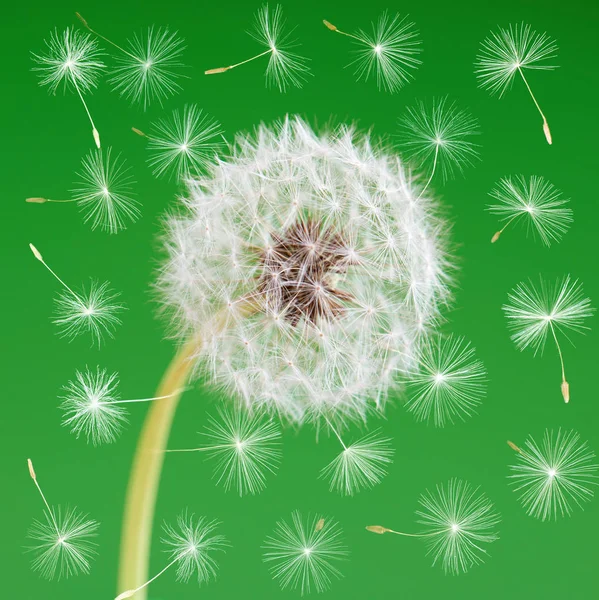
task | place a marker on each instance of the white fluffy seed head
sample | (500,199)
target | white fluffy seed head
(310,268)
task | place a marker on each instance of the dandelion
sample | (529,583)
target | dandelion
(302,554)
(458,522)
(191,545)
(510,51)
(361,464)
(388,54)
(297,249)
(73,61)
(93,311)
(91,406)
(148,67)
(284,67)
(538,201)
(245,447)
(184,144)
(64,540)
(440,134)
(552,476)
(104,193)
(534,313)
(450,382)
(301,276)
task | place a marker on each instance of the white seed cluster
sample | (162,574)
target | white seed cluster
(310,266)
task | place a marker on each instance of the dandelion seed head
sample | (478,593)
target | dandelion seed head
(150,67)
(89,406)
(72,59)
(553,477)
(105,194)
(505,52)
(458,522)
(538,201)
(303,553)
(192,543)
(94,311)
(439,135)
(63,543)
(336,313)
(389,53)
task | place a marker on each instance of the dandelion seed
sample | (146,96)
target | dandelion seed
(458,521)
(440,134)
(245,447)
(191,545)
(64,541)
(302,556)
(148,67)
(388,54)
(285,67)
(510,51)
(534,313)
(104,193)
(537,201)
(450,382)
(552,476)
(93,311)
(72,60)
(185,144)
(360,465)
(91,406)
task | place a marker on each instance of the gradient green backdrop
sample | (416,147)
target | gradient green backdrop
(43,141)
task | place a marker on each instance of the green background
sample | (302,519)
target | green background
(44,139)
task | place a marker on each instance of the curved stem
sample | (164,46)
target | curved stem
(149,456)
(145,473)
(565,385)
(546,129)
(498,233)
(129,593)
(432,173)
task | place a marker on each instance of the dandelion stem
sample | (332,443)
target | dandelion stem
(130,593)
(336,433)
(380,530)
(94,130)
(498,233)
(147,399)
(332,27)
(219,447)
(546,129)
(565,385)
(41,259)
(39,489)
(432,172)
(147,463)
(36,200)
(243,62)
(86,25)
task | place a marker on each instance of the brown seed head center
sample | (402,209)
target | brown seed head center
(297,269)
